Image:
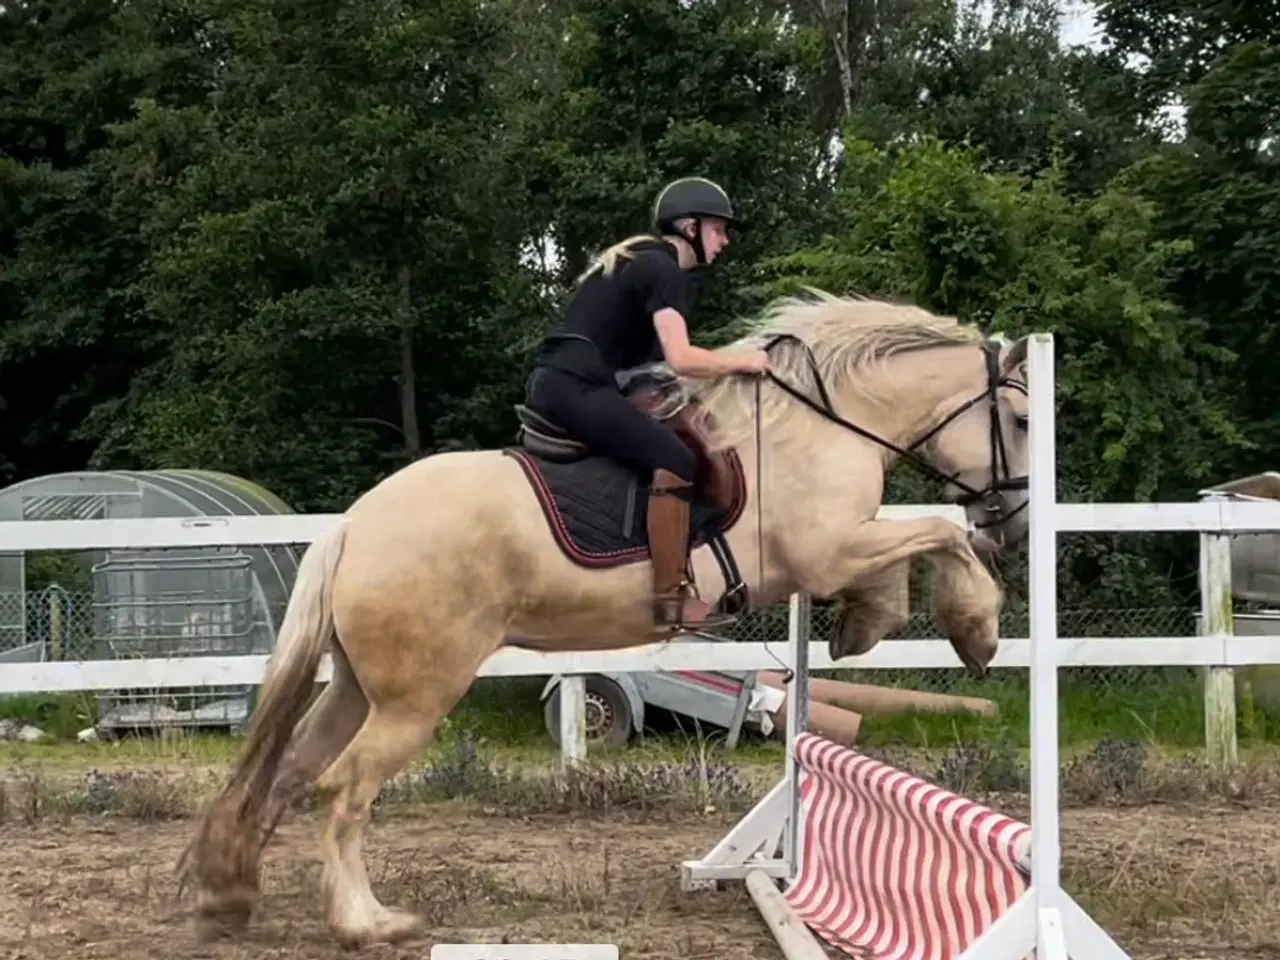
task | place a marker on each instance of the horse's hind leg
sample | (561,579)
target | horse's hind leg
(321,735)
(403,715)
(326,728)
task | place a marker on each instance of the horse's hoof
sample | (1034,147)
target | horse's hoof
(225,915)
(401,925)
(393,926)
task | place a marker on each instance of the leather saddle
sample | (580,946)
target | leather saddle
(651,387)
(656,390)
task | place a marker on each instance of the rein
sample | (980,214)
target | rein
(1000,478)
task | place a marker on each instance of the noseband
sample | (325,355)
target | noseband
(992,495)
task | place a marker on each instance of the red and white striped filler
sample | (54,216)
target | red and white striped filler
(894,867)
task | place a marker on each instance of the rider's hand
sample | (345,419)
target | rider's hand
(757,361)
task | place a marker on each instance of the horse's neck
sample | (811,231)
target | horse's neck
(895,408)
(834,475)
(917,391)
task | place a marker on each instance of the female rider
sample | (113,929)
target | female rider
(630,307)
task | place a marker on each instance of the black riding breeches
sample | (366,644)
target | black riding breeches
(609,424)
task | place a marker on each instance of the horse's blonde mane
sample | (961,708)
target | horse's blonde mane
(850,339)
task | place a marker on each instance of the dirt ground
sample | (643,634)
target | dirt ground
(1172,883)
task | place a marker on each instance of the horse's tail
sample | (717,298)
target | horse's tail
(304,637)
(223,851)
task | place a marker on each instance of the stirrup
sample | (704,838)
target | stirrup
(669,608)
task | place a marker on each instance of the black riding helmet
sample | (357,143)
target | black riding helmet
(694,197)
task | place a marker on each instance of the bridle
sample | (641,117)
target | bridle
(992,495)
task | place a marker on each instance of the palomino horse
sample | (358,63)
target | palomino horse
(441,564)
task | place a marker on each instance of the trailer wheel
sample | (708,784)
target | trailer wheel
(609,718)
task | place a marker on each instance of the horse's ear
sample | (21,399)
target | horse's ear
(1015,357)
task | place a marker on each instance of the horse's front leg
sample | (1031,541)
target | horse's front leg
(878,605)
(966,598)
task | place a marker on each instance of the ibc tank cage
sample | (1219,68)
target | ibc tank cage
(156,602)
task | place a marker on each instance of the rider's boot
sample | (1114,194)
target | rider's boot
(674,607)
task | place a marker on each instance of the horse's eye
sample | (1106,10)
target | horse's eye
(1021,420)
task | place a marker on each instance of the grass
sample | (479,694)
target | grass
(1113,737)
(1162,709)
(162,780)
(59,715)
(1164,706)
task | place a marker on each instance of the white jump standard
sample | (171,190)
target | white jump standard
(769,842)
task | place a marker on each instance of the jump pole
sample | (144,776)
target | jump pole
(1046,918)
(765,844)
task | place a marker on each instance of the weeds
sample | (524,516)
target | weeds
(31,795)
(1112,772)
(462,774)
(137,796)
(971,767)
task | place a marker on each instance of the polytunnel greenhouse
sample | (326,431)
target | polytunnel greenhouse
(154,602)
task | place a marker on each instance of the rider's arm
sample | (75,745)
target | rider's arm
(667,294)
(685,359)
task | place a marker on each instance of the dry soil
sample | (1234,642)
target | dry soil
(1175,883)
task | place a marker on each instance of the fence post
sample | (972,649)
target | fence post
(573,720)
(799,634)
(1216,615)
(57,626)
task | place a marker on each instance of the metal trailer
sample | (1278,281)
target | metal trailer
(616,702)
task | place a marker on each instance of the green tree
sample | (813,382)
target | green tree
(72,331)
(1219,191)
(322,247)
(1180,41)
(994,76)
(649,90)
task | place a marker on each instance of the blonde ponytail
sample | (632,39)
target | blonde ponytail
(607,261)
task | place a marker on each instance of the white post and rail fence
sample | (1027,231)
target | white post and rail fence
(1216,650)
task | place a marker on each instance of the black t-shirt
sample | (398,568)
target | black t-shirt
(616,313)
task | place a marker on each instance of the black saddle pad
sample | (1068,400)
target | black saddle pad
(598,509)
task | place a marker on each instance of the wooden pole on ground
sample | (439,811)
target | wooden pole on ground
(866,698)
(836,707)
(794,938)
